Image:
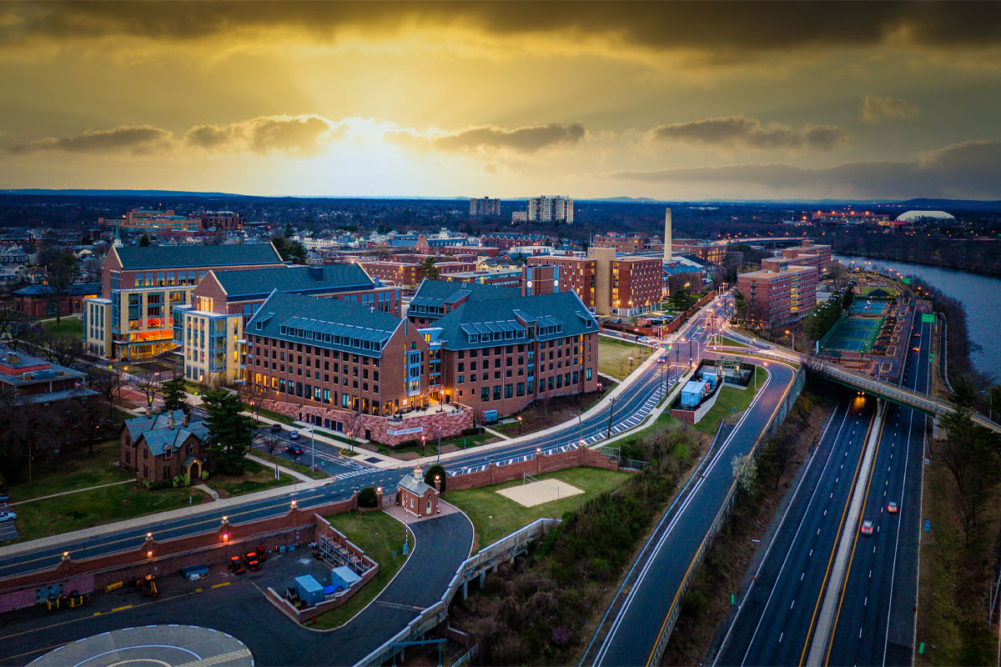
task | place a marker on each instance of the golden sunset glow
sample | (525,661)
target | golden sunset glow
(674,100)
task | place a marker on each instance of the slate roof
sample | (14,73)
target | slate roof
(46,290)
(158,435)
(259,283)
(193,256)
(327,323)
(488,323)
(439,292)
(414,483)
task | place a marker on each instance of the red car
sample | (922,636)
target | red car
(892,508)
(866,527)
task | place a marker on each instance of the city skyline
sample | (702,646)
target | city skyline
(668,101)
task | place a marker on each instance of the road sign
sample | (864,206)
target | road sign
(927,318)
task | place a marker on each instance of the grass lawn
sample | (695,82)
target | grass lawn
(731,401)
(730,342)
(261,412)
(613,356)
(72,471)
(539,415)
(381,537)
(431,446)
(99,506)
(68,326)
(256,478)
(495,516)
(291,465)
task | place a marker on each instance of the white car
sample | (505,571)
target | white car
(7,516)
(293,435)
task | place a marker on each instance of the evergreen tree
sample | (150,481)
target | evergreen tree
(230,433)
(432,472)
(173,394)
(428,270)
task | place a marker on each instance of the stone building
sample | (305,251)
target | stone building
(164,446)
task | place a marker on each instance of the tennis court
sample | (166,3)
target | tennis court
(854,334)
(860,307)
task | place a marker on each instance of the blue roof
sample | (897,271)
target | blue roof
(158,435)
(259,283)
(194,256)
(433,295)
(327,323)
(46,290)
(488,323)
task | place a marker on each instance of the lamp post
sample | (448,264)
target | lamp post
(519,425)
(793,336)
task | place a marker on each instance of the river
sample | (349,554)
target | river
(980,296)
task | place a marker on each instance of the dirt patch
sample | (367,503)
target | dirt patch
(708,599)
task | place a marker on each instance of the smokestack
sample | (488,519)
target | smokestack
(667,236)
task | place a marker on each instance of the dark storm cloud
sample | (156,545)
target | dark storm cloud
(967,170)
(717,27)
(749,132)
(521,140)
(135,138)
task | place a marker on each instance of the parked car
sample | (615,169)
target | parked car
(294,450)
(866,527)
(276,428)
(7,516)
(293,435)
(892,508)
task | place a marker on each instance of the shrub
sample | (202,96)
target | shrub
(430,475)
(367,497)
(205,475)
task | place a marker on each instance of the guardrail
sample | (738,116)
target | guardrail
(501,550)
(724,511)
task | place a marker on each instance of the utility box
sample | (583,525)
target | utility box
(490,416)
(309,589)
(691,393)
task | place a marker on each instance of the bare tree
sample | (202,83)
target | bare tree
(108,383)
(63,350)
(148,382)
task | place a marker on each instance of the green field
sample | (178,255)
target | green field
(291,465)
(380,536)
(730,342)
(613,356)
(68,326)
(72,471)
(256,477)
(495,516)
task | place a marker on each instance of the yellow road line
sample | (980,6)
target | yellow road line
(122,608)
(834,548)
(225,583)
(844,584)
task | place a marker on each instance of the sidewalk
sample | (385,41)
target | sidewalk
(282,469)
(146,520)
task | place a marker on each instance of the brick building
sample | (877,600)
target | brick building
(134,316)
(407,274)
(781,292)
(417,496)
(164,446)
(436,298)
(607,283)
(29,379)
(627,243)
(708,251)
(226,221)
(576,273)
(484,206)
(210,330)
(42,300)
(809,254)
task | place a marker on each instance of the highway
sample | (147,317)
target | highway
(633,631)
(875,621)
(777,617)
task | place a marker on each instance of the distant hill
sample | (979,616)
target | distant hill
(118,193)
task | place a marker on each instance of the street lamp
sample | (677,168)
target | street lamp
(519,424)
(793,335)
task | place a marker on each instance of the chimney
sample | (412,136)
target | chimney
(186,419)
(170,420)
(667,235)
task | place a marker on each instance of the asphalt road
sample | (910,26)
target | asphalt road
(875,622)
(239,608)
(776,620)
(638,624)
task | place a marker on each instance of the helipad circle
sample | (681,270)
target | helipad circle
(152,646)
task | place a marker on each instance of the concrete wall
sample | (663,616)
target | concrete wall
(495,474)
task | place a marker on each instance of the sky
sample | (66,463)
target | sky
(674,101)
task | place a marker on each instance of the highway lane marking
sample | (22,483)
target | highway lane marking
(834,548)
(225,583)
(122,608)
(801,576)
(781,635)
(844,584)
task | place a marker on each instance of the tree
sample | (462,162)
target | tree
(290,251)
(367,497)
(740,305)
(148,382)
(107,382)
(144,242)
(679,299)
(62,350)
(173,394)
(428,270)
(439,471)
(61,271)
(230,433)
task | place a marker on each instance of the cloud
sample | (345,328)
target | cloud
(265,134)
(519,140)
(877,109)
(717,28)
(751,133)
(970,170)
(125,138)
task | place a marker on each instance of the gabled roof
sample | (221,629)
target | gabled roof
(259,283)
(193,256)
(158,434)
(415,484)
(488,323)
(327,323)
(440,292)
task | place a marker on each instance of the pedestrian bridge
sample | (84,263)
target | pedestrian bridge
(891,392)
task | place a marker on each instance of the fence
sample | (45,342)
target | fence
(502,550)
